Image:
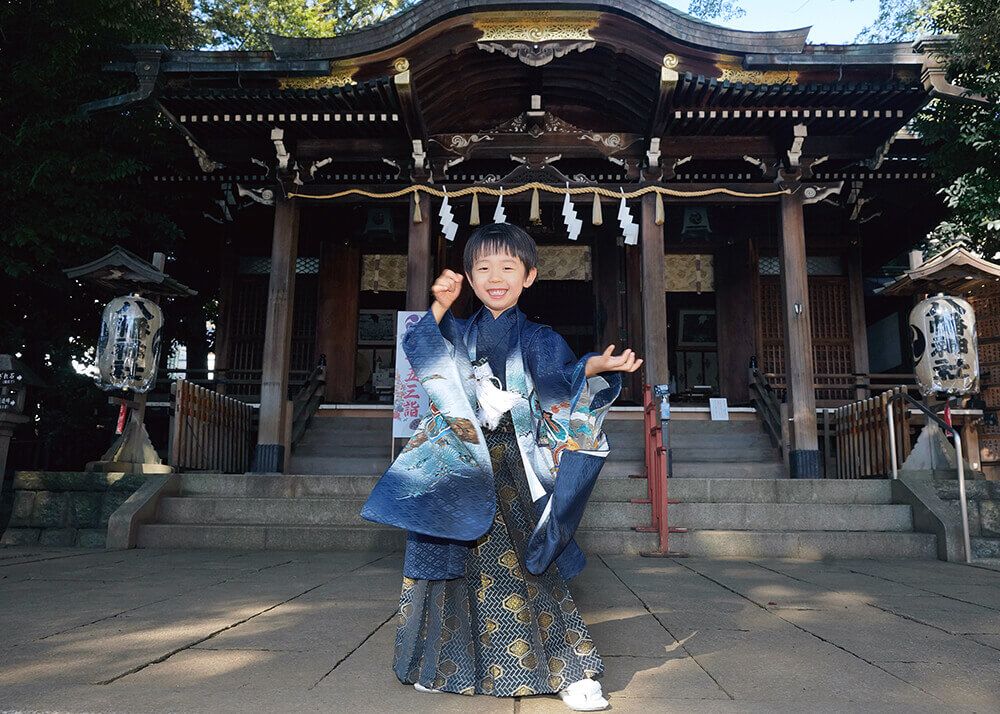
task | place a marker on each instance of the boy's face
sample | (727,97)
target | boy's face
(498,279)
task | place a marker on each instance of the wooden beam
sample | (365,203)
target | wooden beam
(413,118)
(570,146)
(418,258)
(859,325)
(343,150)
(272,431)
(654,298)
(736,318)
(664,102)
(337,316)
(763,147)
(224,322)
(804,456)
(632,388)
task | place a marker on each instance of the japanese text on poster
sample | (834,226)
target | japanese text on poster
(410,400)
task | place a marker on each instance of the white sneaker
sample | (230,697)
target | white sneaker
(584,695)
(421,688)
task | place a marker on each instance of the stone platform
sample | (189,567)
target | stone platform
(208,631)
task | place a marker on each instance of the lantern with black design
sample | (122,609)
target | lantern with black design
(945,346)
(128,350)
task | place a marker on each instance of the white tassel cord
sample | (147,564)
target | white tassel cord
(493,401)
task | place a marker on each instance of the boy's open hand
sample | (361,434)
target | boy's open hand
(606,362)
(445,291)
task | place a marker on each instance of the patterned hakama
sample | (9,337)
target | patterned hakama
(499,630)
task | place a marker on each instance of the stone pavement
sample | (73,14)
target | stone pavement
(208,631)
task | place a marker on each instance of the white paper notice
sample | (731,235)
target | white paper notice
(719,408)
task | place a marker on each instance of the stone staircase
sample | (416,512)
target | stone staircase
(729,509)
(701,448)
(744,518)
(359,445)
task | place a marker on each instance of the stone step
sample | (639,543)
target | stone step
(345,438)
(344,511)
(770,490)
(313,486)
(791,517)
(330,451)
(351,422)
(729,470)
(353,465)
(805,545)
(707,426)
(271,537)
(809,545)
(723,452)
(985,547)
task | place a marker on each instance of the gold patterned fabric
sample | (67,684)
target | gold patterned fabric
(384,273)
(499,630)
(689,273)
(558,262)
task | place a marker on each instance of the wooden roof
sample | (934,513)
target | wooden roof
(610,76)
(956,271)
(656,15)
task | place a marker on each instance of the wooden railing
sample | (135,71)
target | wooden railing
(208,431)
(766,402)
(308,399)
(846,386)
(860,434)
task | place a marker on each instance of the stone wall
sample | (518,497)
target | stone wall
(62,508)
(983,501)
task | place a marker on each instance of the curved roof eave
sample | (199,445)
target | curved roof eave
(671,22)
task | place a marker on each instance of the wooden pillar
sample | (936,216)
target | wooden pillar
(337,316)
(224,320)
(418,257)
(859,325)
(804,457)
(736,318)
(654,299)
(274,406)
(632,385)
(606,262)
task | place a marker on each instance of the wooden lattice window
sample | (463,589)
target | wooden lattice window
(249,324)
(833,344)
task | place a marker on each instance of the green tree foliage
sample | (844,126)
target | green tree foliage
(71,184)
(245,24)
(716,9)
(897,20)
(966,137)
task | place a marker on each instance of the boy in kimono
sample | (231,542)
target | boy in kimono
(492,486)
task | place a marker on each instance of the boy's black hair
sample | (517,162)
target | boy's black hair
(501,238)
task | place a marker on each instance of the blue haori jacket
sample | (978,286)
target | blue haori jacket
(440,487)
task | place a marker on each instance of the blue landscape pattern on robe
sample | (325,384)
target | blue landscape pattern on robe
(440,487)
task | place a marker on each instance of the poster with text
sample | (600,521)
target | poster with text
(410,401)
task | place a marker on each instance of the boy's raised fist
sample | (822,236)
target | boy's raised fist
(447,288)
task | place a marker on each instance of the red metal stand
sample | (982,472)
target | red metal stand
(657,469)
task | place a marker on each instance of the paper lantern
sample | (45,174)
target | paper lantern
(945,347)
(128,350)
